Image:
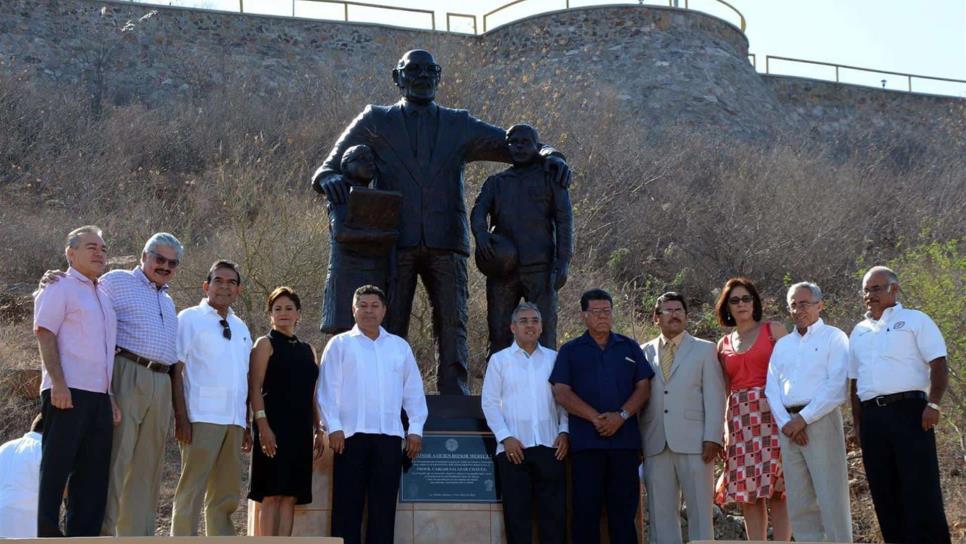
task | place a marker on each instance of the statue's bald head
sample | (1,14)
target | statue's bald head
(417,76)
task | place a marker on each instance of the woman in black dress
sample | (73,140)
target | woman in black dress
(281,383)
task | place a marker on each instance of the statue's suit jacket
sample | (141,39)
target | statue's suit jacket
(693,398)
(433,208)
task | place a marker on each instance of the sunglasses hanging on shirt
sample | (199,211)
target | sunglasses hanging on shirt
(225,330)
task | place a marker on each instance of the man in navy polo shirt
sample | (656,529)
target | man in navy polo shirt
(603,379)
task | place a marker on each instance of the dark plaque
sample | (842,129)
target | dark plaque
(452,468)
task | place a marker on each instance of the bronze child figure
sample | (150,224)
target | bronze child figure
(363,233)
(523,225)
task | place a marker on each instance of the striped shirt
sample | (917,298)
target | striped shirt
(147,323)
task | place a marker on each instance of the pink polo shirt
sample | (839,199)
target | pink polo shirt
(82,317)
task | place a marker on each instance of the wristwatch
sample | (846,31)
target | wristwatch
(934,406)
(624,415)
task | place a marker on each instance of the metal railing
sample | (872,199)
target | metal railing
(838,67)
(670,3)
(450,16)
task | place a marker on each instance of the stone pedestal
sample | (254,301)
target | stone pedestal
(416,523)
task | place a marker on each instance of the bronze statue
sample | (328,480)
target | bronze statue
(421,149)
(363,233)
(523,225)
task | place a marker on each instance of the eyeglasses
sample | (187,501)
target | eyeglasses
(802,305)
(415,69)
(599,312)
(747,299)
(670,311)
(875,289)
(225,331)
(162,260)
(528,320)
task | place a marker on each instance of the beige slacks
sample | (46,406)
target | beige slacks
(817,482)
(211,469)
(666,476)
(137,453)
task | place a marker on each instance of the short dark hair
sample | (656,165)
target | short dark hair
(725,318)
(594,294)
(523,127)
(37,426)
(668,297)
(369,290)
(223,263)
(283,291)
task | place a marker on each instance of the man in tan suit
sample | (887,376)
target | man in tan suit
(681,426)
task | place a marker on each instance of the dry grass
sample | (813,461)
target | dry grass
(655,209)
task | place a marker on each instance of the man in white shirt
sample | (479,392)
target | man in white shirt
(20,483)
(367,377)
(531,431)
(682,426)
(898,374)
(210,384)
(806,385)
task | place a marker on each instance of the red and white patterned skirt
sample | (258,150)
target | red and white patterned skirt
(753,468)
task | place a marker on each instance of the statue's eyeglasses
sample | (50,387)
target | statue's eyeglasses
(416,69)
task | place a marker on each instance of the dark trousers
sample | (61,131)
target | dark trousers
(369,467)
(76,447)
(504,294)
(903,473)
(605,477)
(444,277)
(538,481)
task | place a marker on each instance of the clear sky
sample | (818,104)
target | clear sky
(924,37)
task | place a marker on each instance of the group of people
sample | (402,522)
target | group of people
(119,363)
(765,399)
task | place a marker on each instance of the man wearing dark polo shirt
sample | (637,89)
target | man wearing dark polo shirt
(603,379)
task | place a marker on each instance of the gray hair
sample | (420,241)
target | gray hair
(164,239)
(814,288)
(524,306)
(74,236)
(893,279)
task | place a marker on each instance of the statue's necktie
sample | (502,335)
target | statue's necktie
(667,359)
(423,137)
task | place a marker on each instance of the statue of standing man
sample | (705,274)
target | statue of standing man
(421,149)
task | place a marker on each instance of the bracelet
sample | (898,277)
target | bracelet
(260,414)
(934,406)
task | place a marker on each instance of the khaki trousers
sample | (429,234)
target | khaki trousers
(137,452)
(211,469)
(816,482)
(667,476)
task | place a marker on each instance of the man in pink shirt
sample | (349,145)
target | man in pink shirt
(76,328)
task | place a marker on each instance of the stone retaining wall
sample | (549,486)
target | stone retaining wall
(659,65)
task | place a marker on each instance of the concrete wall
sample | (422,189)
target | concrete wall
(660,66)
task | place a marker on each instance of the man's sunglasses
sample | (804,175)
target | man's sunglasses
(162,260)
(225,331)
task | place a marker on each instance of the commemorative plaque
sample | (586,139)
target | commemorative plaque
(456,462)
(452,468)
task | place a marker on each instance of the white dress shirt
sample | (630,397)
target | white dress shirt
(809,370)
(363,384)
(19,486)
(892,354)
(518,400)
(215,368)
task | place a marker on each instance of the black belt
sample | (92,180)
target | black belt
(885,400)
(795,409)
(143,361)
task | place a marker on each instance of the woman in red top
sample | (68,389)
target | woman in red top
(753,473)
